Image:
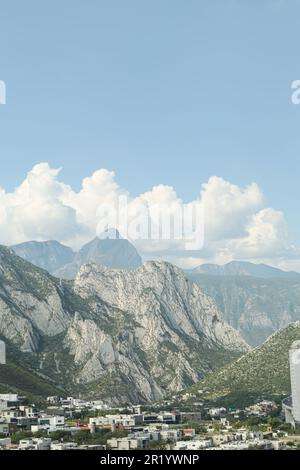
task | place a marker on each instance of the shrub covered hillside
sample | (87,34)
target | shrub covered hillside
(261,373)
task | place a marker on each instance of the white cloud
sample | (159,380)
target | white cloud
(237,225)
(227,207)
(100,188)
(35,209)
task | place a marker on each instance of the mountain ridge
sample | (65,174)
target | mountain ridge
(63,262)
(115,253)
(132,335)
(256,307)
(244,268)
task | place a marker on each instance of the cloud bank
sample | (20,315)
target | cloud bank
(237,223)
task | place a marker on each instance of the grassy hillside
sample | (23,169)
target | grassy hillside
(16,376)
(262,373)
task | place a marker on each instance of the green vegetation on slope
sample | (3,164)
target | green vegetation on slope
(262,373)
(17,377)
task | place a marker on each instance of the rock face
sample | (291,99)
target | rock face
(50,255)
(114,253)
(31,303)
(119,335)
(261,373)
(256,307)
(256,300)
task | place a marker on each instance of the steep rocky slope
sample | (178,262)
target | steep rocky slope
(174,330)
(32,303)
(255,307)
(130,335)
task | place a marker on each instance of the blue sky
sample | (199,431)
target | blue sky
(159,91)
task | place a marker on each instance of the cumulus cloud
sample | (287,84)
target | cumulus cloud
(100,188)
(237,225)
(35,209)
(227,207)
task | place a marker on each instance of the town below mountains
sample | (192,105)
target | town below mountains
(101,324)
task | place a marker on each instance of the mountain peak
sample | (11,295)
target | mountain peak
(111,233)
(108,249)
(115,253)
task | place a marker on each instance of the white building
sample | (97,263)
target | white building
(8,401)
(166,417)
(12,397)
(127,421)
(2,353)
(146,434)
(52,421)
(291,405)
(193,445)
(42,443)
(48,423)
(125,443)
(216,412)
(53,400)
(295,379)
(63,445)
(171,435)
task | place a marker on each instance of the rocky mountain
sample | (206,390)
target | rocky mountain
(111,252)
(256,307)
(50,255)
(63,262)
(244,268)
(127,335)
(261,373)
(256,300)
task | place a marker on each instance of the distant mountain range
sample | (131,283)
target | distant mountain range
(139,332)
(61,261)
(256,300)
(256,307)
(116,334)
(261,373)
(244,268)
(50,255)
